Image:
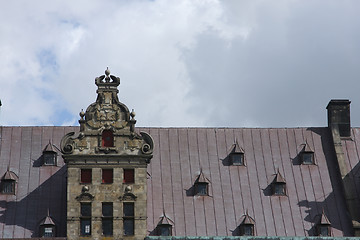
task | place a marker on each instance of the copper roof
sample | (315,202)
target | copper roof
(323,219)
(236,148)
(248,220)
(307,148)
(49,147)
(278,178)
(9,175)
(179,153)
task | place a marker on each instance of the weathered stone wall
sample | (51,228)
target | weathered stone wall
(106,193)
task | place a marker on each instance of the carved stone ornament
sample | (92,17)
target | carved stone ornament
(128,197)
(107,127)
(85,196)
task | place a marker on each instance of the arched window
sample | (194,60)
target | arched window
(107,138)
(8,182)
(47,227)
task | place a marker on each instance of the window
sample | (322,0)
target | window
(129,176)
(201,188)
(307,158)
(85,219)
(247,226)
(49,158)
(107,219)
(279,189)
(107,176)
(107,138)
(85,176)
(49,155)
(247,230)
(8,182)
(129,218)
(164,230)
(8,186)
(47,231)
(237,159)
(324,231)
(278,185)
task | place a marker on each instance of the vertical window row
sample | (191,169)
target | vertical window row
(107,219)
(85,219)
(129,218)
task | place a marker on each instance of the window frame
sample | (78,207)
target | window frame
(200,187)
(50,155)
(161,227)
(321,227)
(279,186)
(85,179)
(128,175)
(8,186)
(244,228)
(307,155)
(234,158)
(85,218)
(107,138)
(43,230)
(107,218)
(106,177)
(128,217)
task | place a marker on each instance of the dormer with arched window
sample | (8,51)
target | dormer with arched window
(47,227)
(237,155)
(307,155)
(201,185)
(278,185)
(323,226)
(247,226)
(49,155)
(8,182)
(164,226)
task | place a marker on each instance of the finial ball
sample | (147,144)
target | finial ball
(107,71)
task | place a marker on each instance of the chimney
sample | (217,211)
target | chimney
(339,115)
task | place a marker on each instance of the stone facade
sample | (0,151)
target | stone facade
(106,167)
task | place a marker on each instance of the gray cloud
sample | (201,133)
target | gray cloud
(183,63)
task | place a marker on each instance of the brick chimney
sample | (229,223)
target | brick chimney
(339,115)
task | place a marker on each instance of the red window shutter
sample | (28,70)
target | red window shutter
(85,175)
(107,175)
(129,176)
(107,138)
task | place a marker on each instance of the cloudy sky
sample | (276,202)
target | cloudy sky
(208,63)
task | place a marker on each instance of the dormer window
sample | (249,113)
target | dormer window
(47,227)
(237,155)
(8,182)
(107,138)
(278,185)
(201,185)
(307,155)
(323,227)
(164,227)
(49,155)
(247,226)
(201,188)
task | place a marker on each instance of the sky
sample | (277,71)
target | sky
(190,63)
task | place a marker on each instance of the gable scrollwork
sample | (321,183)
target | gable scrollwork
(128,197)
(67,143)
(148,146)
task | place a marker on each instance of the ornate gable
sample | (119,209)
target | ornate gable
(107,126)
